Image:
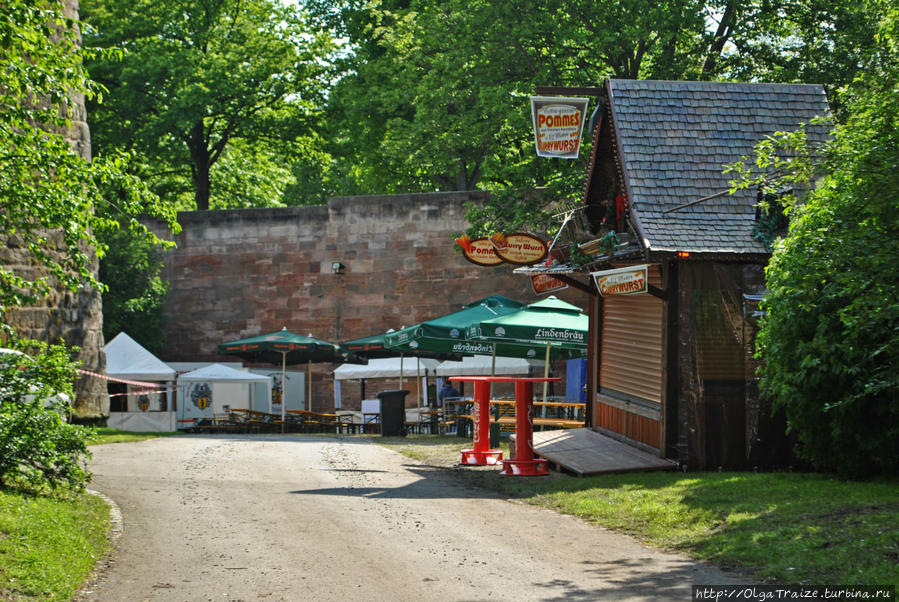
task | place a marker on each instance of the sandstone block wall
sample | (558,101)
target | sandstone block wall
(240,273)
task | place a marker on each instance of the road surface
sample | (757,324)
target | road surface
(325,518)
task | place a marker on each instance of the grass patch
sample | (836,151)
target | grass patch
(109,435)
(781,527)
(49,545)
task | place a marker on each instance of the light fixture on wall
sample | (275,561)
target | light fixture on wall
(338,268)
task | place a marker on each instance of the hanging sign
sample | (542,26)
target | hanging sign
(622,281)
(544,283)
(518,248)
(479,251)
(558,125)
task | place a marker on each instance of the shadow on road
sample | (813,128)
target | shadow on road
(433,483)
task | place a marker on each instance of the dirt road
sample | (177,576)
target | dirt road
(303,518)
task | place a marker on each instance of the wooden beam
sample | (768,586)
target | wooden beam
(575,283)
(657,292)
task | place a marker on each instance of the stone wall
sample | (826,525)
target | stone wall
(75,318)
(240,273)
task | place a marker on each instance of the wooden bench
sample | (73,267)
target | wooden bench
(562,423)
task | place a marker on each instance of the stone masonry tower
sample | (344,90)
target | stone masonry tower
(75,318)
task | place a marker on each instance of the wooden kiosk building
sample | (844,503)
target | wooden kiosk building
(672,371)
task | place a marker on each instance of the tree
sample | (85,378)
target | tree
(830,339)
(49,193)
(196,76)
(805,41)
(135,291)
(435,94)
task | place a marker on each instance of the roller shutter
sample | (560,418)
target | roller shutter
(631,359)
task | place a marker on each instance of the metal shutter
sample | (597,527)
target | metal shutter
(631,359)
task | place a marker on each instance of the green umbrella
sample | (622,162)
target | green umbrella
(281,348)
(447,334)
(374,346)
(549,327)
(548,322)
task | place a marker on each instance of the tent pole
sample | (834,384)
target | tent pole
(283,390)
(546,371)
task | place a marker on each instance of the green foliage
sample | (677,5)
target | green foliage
(830,340)
(194,78)
(456,116)
(38,448)
(49,193)
(135,291)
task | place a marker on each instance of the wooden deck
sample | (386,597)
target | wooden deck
(586,452)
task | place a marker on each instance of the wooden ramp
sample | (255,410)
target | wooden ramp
(586,452)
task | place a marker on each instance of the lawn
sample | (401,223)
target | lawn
(48,546)
(793,528)
(109,435)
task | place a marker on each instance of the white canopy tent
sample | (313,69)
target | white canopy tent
(215,388)
(388,367)
(483,365)
(127,359)
(136,408)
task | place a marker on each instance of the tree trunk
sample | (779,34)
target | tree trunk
(722,35)
(200,155)
(201,186)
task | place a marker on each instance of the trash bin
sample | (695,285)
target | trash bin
(393,412)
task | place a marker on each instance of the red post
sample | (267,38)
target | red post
(481,454)
(524,463)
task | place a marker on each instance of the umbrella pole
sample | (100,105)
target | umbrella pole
(418,381)
(309,386)
(546,371)
(283,390)
(493,369)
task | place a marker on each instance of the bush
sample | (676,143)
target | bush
(38,448)
(830,340)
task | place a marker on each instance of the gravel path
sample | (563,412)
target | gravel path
(307,518)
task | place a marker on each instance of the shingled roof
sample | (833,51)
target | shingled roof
(673,139)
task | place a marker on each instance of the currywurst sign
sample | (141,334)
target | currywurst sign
(622,281)
(558,124)
(517,248)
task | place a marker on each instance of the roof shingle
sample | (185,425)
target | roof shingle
(675,138)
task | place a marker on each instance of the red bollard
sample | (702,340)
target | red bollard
(524,464)
(481,455)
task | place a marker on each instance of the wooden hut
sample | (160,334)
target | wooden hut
(671,370)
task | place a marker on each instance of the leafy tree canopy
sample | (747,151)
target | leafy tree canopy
(434,93)
(206,91)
